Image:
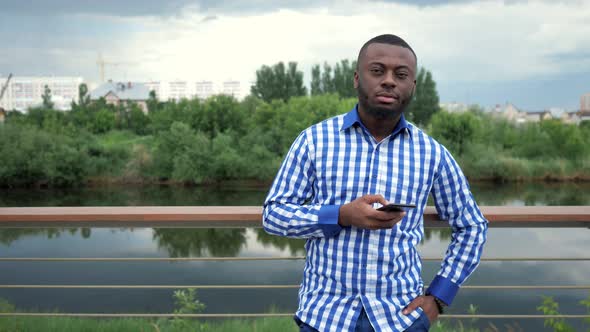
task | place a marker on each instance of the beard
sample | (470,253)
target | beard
(380,112)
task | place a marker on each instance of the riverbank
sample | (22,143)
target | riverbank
(62,324)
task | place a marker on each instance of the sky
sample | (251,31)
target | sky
(533,54)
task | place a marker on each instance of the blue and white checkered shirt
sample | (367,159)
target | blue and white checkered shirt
(337,161)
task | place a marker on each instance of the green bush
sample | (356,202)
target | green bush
(36,157)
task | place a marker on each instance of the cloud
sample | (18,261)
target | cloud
(468,41)
(104,7)
(149,7)
(463,43)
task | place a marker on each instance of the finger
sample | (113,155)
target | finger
(413,305)
(370,199)
(385,216)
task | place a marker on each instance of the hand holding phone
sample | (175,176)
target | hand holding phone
(395,207)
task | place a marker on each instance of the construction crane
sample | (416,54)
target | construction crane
(2,90)
(102,63)
(5,86)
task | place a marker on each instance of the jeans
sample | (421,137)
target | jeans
(422,324)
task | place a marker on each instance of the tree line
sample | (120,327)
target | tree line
(284,82)
(195,141)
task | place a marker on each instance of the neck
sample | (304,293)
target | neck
(377,126)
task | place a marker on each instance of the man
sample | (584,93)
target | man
(362,271)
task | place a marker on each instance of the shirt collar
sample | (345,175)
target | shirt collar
(351,118)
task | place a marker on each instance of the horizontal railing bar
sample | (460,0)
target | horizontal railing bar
(147,259)
(261,315)
(152,286)
(250,216)
(207,259)
(497,287)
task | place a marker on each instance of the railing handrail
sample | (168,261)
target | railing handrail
(257,315)
(250,216)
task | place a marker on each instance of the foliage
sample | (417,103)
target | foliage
(550,307)
(220,139)
(32,156)
(83,96)
(425,102)
(278,82)
(456,132)
(47,103)
(339,82)
(201,242)
(186,302)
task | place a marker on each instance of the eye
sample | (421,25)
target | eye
(376,71)
(402,76)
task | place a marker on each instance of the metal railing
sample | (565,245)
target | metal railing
(247,216)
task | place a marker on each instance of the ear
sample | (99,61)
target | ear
(356,79)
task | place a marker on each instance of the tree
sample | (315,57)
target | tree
(83,96)
(425,102)
(152,102)
(278,82)
(47,103)
(340,82)
(455,131)
(316,84)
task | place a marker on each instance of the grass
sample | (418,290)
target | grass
(123,138)
(68,324)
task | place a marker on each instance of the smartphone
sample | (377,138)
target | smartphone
(394,207)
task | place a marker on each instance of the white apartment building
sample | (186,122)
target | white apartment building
(177,90)
(154,86)
(232,88)
(204,89)
(585,103)
(24,92)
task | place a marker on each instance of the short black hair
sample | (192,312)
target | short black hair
(385,39)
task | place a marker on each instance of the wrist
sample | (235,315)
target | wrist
(440,305)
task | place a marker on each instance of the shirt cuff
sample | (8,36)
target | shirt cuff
(328,220)
(443,288)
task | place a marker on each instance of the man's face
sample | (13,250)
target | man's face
(385,80)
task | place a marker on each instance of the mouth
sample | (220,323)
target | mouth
(387,98)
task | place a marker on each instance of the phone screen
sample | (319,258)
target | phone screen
(394,207)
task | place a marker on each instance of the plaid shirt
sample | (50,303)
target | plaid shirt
(336,161)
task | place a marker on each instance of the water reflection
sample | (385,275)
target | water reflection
(228,195)
(218,242)
(200,242)
(10,235)
(295,246)
(530,194)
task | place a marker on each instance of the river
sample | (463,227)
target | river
(254,242)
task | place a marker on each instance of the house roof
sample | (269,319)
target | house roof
(124,91)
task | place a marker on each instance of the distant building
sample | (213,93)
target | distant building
(537,116)
(156,87)
(570,117)
(584,115)
(122,94)
(513,114)
(25,92)
(509,112)
(178,90)
(584,112)
(585,102)
(232,88)
(204,89)
(454,107)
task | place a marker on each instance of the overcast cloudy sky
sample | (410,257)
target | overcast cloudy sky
(535,54)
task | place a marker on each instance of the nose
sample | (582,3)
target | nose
(388,80)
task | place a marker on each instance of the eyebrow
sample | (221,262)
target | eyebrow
(396,68)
